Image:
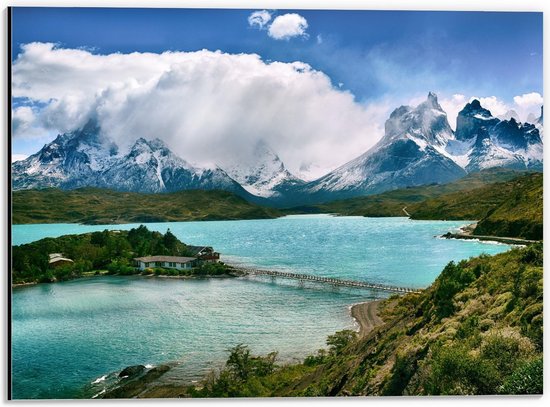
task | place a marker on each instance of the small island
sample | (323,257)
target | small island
(137,251)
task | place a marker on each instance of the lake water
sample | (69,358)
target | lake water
(67,335)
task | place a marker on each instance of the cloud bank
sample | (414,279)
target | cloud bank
(209,107)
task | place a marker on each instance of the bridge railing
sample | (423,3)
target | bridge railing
(329,280)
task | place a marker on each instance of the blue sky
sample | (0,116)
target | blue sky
(496,52)
(381,59)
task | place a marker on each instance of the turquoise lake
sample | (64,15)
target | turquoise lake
(67,335)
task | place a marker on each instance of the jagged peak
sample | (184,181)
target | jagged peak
(400,111)
(474,107)
(154,144)
(431,102)
(432,99)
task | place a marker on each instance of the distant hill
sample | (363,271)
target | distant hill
(519,215)
(418,148)
(512,208)
(391,203)
(506,203)
(103,206)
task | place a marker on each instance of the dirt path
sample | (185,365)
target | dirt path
(366,315)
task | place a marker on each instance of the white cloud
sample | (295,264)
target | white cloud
(287,26)
(259,19)
(22,120)
(26,124)
(452,106)
(494,104)
(528,100)
(207,106)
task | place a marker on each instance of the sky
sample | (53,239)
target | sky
(315,85)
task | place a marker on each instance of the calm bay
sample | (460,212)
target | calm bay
(68,335)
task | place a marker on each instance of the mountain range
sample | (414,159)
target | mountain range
(418,147)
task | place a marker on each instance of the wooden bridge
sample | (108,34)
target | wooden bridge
(327,280)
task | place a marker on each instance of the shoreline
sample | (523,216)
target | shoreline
(495,239)
(366,316)
(467,233)
(226,275)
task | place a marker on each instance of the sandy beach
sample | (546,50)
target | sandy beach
(366,315)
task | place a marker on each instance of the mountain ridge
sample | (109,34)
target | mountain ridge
(418,148)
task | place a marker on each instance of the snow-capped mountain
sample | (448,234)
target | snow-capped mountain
(264,174)
(512,114)
(408,154)
(69,161)
(419,147)
(84,158)
(490,142)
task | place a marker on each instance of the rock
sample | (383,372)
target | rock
(131,371)
(134,387)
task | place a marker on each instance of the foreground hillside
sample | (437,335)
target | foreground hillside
(103,206)
(476,330)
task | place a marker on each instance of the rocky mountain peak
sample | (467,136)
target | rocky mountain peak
(425,123)
(264,174)
(432,102)
(474,108)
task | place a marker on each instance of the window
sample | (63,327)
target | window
(158,264)
(172,264)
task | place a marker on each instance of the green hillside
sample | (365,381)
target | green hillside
(101,206)
(476,330)
(521,214)
(391,203)
(511,209)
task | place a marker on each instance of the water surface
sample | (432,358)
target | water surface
(67,335)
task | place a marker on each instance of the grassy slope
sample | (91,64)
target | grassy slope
(512,208)
(391,203)
(97,206)
(476,330)
(521,213)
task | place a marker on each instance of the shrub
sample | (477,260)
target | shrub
(314,360)
(455,371)
(526,379)
(338,341)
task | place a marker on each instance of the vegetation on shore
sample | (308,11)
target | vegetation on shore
(106,252)
(476,330)
(103,206)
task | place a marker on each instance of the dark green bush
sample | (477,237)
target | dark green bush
(338,341)
(526,379)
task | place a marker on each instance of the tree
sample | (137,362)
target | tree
(340,340)
(170,241)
